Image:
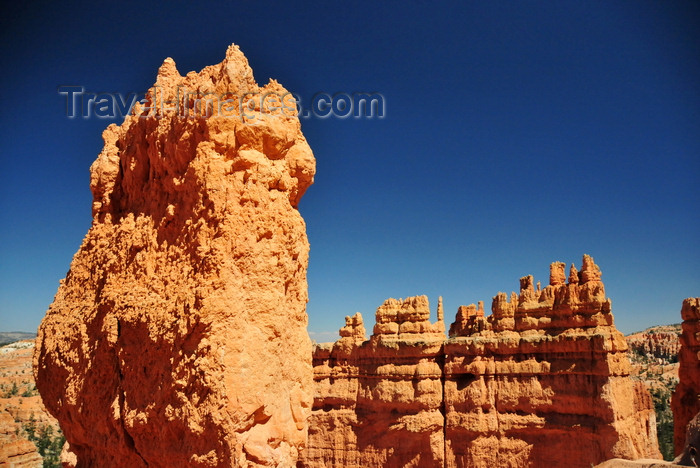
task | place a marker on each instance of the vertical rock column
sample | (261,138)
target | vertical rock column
(178,337)
(686,398)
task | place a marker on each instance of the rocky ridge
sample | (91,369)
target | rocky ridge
(661,342)
(542,381)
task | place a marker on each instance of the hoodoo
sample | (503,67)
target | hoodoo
(178,337)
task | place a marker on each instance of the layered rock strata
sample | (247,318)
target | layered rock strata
(178,337)
(379,402)
(15,450)
(20,408)
(686,398)
(542,381)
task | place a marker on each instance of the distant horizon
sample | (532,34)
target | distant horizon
(369,330)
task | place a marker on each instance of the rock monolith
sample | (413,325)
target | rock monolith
(178,337)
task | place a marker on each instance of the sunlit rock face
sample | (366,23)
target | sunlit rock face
(379,402)
(178,337)
(542,381)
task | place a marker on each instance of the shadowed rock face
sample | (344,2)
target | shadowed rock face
(178,337)
(686,398)
(690,455)
(542,381)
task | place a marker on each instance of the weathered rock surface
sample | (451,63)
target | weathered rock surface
(690,455)
(542,381)
(378,403)
(641,463)
(686,398)
(178,337)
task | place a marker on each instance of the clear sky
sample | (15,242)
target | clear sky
(516,134)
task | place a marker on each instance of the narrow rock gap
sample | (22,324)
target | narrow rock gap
(127,437)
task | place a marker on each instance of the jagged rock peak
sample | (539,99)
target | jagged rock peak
(573,275)
(354,328)
(557,274)
(410,315)
(589,271)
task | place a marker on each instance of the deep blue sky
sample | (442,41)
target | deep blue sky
(516,134)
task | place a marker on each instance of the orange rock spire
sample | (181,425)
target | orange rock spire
(686,398)
(178,337)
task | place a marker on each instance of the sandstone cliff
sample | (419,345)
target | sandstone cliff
(686,398)
(542,381)
(178,337)
(378,403)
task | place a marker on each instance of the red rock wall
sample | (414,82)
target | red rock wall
(542,381)
(379,402)
(686,398)
(178,337)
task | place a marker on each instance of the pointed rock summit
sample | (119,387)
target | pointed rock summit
(178,337)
